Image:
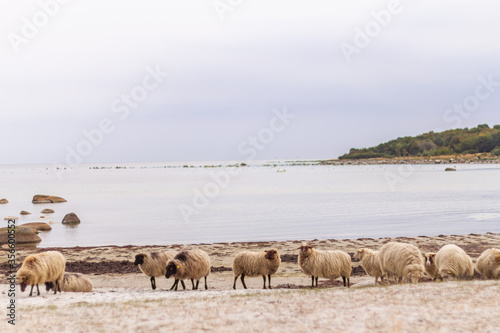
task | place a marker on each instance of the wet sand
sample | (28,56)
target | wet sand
(123,300)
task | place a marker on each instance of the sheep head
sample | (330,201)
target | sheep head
(25,279)
(305,249)
(413,273)
(359,254)
(172,269)
(271,254)
(429,258)
(139,259)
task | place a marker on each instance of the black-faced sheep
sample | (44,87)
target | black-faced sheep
(402,260)
(42,267)
(325,264)
(453,262)
(488,264)
(251,264)
(73,282)
(154,264)
(430,265)
(193,265)
(370,262)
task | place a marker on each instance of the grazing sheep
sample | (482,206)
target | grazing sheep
(402,260)
(193,265)
(488,264)
(370,262)
(42,267)
(430,265)
(325,264)
(252,264)
(453,262)
(154,264)
(73,282)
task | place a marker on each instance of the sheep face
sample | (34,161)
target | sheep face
(359,254)
(49,285)
(305,250)
(429,259)
(271,254)
(139,259)
(25,280)
(172,269)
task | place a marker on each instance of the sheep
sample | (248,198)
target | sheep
(370,262)
(430,265)
(42,267)
(453,262)
(193,264)
(154,264)
(72,282)
(488,264)
(325,264)
(252,264)
(402,260)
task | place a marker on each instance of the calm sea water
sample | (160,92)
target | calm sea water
(157,204)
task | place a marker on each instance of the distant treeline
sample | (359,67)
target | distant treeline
(481,139)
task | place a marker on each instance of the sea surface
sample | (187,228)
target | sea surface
(206,202)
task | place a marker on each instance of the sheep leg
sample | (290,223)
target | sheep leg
(59,286)
(153,282)
(192,282)
(183,285)
(264,277)
(197,283)
(174,286)
(312,286)
(38,290)
(269,282)
(344,279)
(234,284)
(206,283)
(31,292)
(243,281)
(55,287)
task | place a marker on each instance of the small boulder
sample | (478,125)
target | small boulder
(7,218)
(47,211)
(23,212)
(4,201)
(23,236)
(450,169)
(39,226)
(71,218)
(40,198)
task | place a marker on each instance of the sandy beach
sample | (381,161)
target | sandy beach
(122,299)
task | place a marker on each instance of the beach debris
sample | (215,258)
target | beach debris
(71,218)
(42,198)
(4,201)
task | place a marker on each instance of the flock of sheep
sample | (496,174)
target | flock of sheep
(401,262)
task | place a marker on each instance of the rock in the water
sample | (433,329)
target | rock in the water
(23,236)
(39,198)
(71,218)
(450,169)
(47,211)
(4,201)
(23,212)
(7,218)
(40,226)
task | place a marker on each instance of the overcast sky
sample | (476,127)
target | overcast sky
(341,74)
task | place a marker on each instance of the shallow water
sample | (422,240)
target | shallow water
(155,204)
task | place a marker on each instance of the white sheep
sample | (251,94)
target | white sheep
(370,262)
(402,260)
(453,262)
(73,282)
(251,264)
(42,267)
(488,264)
(193,265)
(325,264)
(154,264)
(430,265)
